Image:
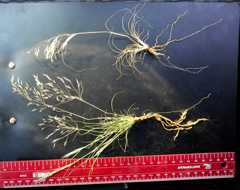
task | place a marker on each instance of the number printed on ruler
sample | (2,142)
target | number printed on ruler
(119,169)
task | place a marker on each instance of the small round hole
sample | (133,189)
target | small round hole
(223,165)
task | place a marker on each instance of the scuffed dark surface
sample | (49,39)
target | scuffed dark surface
(22,1)
(158,89)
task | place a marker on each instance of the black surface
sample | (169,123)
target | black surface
(157,89)
(23,1)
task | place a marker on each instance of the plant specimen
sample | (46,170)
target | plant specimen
(105,129)
(134,29)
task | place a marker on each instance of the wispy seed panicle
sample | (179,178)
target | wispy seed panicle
(104,130)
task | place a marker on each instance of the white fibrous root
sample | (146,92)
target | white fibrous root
(105,129)
(135,30)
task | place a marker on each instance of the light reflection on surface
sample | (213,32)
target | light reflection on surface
(157,89)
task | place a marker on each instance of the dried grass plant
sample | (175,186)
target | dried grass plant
(105,129)
(134,29)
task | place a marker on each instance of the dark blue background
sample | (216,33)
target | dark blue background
(158,89)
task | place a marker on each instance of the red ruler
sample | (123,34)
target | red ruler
(119,170)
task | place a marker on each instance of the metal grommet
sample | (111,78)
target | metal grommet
(12,121)
(11,65)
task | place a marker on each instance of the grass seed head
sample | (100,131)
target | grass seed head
(134,29)
(105,130)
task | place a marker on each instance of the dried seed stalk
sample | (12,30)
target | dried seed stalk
(104,129)
(134,29)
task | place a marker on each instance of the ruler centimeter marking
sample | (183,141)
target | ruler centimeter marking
(14,174)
